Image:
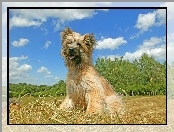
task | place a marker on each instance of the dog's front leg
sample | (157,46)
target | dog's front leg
(95,102)
(67,103)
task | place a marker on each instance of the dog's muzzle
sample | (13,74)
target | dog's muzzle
(71,53)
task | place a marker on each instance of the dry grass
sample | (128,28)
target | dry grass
(140,110)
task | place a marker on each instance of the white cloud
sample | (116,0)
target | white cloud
(157,53)
(56,78)
(155,47)
(35,17)
(151,43)
(25,68)
(4,71)
(170,47)
(20,43)
(43,70)
(160,17)
(12,59)
(17,72)
(110,43)
(145,21)
(48,76)
(47,44)
(16,21)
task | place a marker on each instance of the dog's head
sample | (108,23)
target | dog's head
(77,49)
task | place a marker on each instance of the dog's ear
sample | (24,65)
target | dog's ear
(89,39)
(65,33)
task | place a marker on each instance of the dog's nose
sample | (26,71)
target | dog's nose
(71,50)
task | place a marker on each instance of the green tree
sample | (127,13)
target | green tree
(140,77)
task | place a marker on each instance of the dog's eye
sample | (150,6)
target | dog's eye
(78,44)
(87,44)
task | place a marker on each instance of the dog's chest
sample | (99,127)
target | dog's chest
(76,83)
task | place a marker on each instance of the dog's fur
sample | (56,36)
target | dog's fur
(85,87)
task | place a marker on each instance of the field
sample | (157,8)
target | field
(44,110)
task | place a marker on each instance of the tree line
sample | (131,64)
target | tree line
(21,89)
(144,76)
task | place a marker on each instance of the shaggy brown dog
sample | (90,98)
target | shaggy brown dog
(85,87)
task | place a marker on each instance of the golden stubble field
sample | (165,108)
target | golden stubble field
(45,110)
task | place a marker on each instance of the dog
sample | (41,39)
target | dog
(85,87)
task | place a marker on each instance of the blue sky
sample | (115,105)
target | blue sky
(34,40)
(127,35)
(129,38)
